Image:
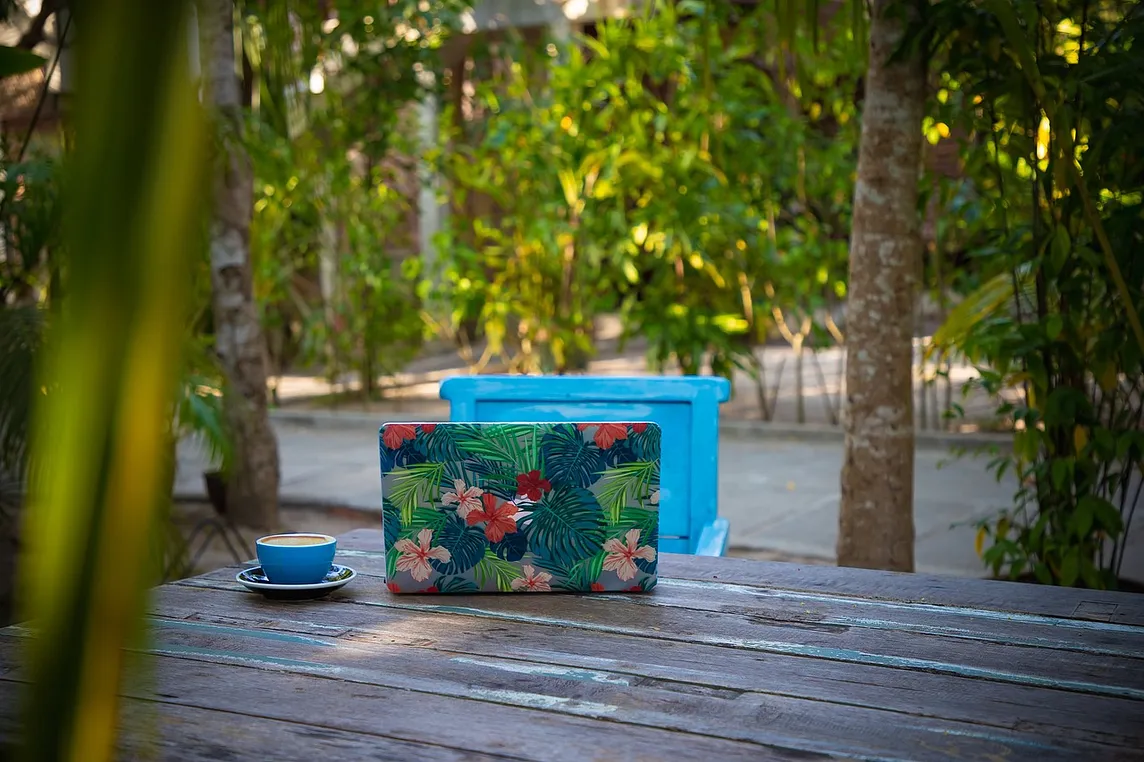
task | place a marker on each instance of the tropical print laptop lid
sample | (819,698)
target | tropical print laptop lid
(529,507)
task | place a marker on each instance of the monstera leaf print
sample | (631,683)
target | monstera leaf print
(512,547)
(566,526)
(466,545)
(644,441)
(457,585)
(438,443)
(390,522)
(568,457)
(619,453)
(404,455)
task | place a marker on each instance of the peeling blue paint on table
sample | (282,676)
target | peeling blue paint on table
(726,660)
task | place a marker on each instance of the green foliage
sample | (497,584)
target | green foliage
(32,275)
(417,483)
(29,202)
(334,177)
(21,335)
(669,168)
(508,444)
(569,456)
(566,526)
(199,404)
(1049,95)
(628,482)
(492,567)
(15,60)
(459,585)
(135,183)
(466,545)
(390,522)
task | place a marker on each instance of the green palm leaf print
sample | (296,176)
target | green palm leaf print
(567,525)
(418,483)
(624,484)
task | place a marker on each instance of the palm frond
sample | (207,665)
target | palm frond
(995,295)
(21,335)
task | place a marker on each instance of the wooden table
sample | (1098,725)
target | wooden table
(727,660)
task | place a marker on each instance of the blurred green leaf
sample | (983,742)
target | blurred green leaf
(17,61)
(135,192)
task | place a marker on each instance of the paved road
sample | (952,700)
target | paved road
(822,382)
(783,495)
(780,495)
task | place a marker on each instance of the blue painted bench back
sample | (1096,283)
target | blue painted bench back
(685,407)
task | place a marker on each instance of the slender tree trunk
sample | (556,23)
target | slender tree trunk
(876,528)
(328,281)
(799,392)
(252,492)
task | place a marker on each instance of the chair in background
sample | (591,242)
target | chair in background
(685,407)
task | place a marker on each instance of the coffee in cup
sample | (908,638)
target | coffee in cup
(296,558)
(295,539)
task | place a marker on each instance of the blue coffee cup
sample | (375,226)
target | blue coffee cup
(296,558)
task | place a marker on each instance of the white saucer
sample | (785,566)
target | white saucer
(255,580)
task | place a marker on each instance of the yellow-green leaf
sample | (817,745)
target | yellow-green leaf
(630,272)
(979,541)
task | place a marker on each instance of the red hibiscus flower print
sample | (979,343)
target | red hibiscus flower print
(531,485)
(393,588)
(637,428)
(415,557)
(596,587)
(467,499)
(499,519)
(427,428)
(634,589)
(607,433)
(431,589)
(532,581)
(396,433)
(622,556)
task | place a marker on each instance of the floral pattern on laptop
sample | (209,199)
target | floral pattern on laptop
(520,507)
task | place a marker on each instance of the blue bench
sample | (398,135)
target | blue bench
(685,407)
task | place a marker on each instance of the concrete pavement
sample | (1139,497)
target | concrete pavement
(780,493)
(822,386)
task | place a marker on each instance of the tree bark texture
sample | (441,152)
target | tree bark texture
(252,491)
(876,527)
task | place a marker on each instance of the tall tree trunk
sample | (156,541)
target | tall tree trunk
(876,527)
(252,492)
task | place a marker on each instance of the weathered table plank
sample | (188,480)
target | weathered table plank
(258,666)
(725,660)
(976,594)
(283,689)
(1049,713)
(241,736)
(1061,661)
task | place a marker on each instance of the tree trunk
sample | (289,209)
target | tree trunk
(253,488)
(876,528)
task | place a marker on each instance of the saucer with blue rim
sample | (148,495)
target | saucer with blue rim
(255,580)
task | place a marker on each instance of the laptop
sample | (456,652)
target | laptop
(520,507)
